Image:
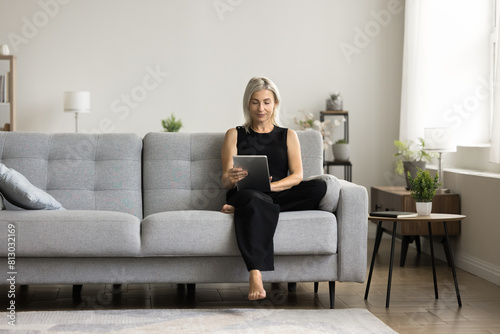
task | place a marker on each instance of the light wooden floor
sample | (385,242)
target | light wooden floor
(413,308)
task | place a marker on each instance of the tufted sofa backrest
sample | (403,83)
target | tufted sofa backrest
(182,171)
(81,171)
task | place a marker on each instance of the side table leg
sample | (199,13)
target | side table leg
(388,298)
(445,248)
(452,263)
(378,237)
(417,243)
(433,262)
(405,241)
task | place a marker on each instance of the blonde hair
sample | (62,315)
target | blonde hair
(254,85)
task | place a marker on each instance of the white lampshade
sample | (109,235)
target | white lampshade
(77,102)
(439,140)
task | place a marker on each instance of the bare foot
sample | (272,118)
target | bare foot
(227,209)
(256,288)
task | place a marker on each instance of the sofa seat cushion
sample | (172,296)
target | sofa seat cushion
(72,233)
(211,233)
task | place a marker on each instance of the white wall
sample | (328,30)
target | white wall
(205,52)
(476,249)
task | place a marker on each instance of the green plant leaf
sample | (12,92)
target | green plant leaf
(409,151)
(171,124)
(423,186)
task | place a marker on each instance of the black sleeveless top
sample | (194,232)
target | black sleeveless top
(272,144)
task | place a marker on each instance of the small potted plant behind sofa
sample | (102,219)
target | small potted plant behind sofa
(411,157)
(171,124)
(423,189)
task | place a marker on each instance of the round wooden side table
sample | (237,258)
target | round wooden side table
(433,217)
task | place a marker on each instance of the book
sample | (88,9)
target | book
(2,88)
(393,214)
(7,88)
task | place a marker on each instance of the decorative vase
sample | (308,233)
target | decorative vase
(412,167)
(4,50)
(341,152)
(334,104)
(424,208)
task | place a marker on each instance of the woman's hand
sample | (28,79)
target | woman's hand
(236,174)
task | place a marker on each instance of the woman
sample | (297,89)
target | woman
(256,213)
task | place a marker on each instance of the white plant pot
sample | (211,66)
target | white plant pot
(424,208)
(341,152)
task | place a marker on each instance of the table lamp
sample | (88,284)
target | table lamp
(77,102)
(439,140)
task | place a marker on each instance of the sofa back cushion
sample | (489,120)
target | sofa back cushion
(182,171)
(81,171)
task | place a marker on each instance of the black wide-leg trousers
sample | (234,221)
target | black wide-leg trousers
(256,217)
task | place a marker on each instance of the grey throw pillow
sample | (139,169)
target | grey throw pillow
(330,201)
(20,192)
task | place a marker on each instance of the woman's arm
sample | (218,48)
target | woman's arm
(294,164)
(230,175)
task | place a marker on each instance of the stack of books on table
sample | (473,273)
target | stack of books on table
(393,214)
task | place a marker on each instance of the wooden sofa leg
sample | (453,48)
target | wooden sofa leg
(77,291)
(316,287)
(191,287)
(292,286)
(331,287)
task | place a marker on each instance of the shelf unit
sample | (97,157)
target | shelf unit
(11,96)
(346,164)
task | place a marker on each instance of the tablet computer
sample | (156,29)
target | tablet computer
(258,172)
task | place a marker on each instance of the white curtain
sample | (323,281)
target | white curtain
(495,126)
(446,69)
(412,91)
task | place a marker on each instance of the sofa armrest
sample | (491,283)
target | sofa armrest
(352,217)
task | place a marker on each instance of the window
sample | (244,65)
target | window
(447,69)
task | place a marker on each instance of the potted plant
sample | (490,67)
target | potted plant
(171,124)
(423,189)
(334,102)
(307,122)
(411,156)
(341,150)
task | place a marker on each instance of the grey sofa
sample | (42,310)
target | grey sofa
(147,211)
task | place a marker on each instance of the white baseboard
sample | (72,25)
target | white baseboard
(471,264)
